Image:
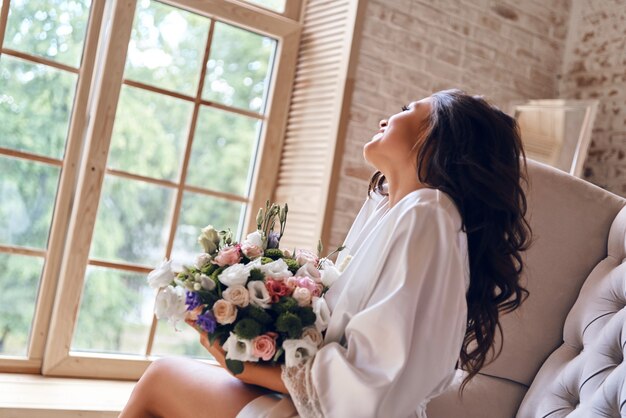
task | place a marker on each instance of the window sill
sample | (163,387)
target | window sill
(27,395)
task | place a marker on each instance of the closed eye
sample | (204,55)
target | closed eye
(404,108)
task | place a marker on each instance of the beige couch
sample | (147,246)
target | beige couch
(564,349)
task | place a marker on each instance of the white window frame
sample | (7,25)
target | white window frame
(84,167)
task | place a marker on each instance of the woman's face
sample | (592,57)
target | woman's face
(393,146)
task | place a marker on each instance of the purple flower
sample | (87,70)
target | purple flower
(207,321)
(192,301)
(272,239)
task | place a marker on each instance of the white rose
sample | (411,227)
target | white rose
(309,270)
(237,295)
(206,282)
(255,239)
(297,351)
(259,295)
(276,269)
(313,335)
(305,256)
(302,295)
(209,239)
(161,276)
(202,260)
(225,312)
(239,349)
(250,250)
(330,274)
(322,313)
(170,304)
(235,274)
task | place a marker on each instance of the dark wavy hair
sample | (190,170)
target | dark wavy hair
(472,151)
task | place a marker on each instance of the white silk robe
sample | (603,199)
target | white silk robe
(398,317)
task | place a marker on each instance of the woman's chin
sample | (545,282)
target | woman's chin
(377,137)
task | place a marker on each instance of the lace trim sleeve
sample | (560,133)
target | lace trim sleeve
(298,381)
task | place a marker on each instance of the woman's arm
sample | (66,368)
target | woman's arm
(264,375)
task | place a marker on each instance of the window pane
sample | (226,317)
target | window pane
(223,147)
(19,283)
(166,47)
(197,212)
(239,67)
(185,341)
(132,224)
(27,193)
(54,29)
(115,312)
(277,5)
(153,147)
(35,106)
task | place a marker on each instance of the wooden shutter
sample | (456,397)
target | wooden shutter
(317,119)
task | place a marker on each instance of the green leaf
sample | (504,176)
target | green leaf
(235,366)
(278,354)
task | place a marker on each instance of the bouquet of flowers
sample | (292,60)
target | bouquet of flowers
(264,304)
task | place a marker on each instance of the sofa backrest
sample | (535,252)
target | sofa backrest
(570,219)
(586,375)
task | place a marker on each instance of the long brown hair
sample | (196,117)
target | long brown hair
(473,152)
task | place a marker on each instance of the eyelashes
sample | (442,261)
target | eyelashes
(405,108)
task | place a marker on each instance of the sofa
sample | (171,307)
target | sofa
(563,350)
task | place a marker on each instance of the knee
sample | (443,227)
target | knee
(161,370)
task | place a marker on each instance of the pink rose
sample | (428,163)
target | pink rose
(250,250)
(305,256)
(277,288)
(318,292)
(291,283)
(309,270)
(228,256)
(308,283)
(264,346)
(302,295)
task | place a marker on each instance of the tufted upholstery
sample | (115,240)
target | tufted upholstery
(563,350)
(585,376)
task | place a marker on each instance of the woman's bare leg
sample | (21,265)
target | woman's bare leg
(177,387)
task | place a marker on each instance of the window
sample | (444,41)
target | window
(125,128)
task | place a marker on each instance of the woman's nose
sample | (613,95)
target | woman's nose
(382,123)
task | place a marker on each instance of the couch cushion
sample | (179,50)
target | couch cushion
(571,219)
(585,376)
(484,397)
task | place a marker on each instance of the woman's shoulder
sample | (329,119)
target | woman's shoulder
(426,200)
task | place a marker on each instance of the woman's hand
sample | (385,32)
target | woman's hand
(215,349)
(265,375)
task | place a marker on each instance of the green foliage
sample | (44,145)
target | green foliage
(284,304)
(274,253)
(292,264)
(258,314)
(265,260)
(149,135)
(256,274)
(209,269)
(289,324)
(235,366)
(248,328)
(18,292)
(306,315)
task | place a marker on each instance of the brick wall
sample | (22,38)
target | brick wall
(409,48)
(595,68)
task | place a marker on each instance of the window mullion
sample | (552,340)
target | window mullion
(183,171)
(4,16)
(92,168)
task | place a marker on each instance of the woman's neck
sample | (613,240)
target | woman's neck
(400,187)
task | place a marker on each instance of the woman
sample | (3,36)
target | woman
(435,258)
